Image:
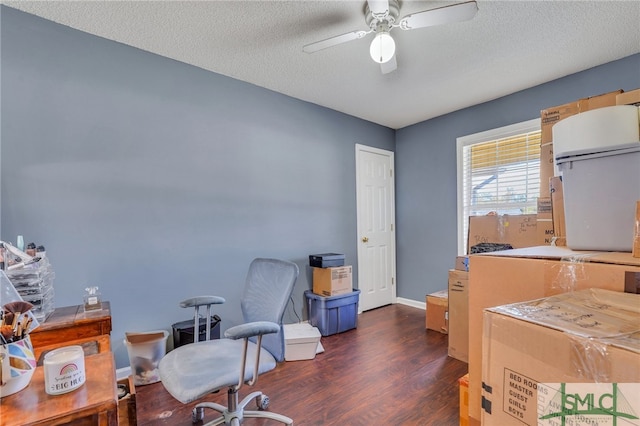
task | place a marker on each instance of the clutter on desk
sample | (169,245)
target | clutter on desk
(17,359)
(31,274)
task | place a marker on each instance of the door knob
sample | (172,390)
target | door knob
(365,239)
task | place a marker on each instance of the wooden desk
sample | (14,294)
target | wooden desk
(94,403)
(71,325)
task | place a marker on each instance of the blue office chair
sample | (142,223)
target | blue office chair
(194,370)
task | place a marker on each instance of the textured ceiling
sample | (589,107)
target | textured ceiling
(507,47)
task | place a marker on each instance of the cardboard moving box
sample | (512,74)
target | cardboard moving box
(463,383)
(631,97)
(517,230)
(332,281)
(459,315)
(550,116)
(512,276)
(588,336)
(557,211)
(438,311)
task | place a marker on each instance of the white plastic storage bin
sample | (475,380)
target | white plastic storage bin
(601,188)
(301,341)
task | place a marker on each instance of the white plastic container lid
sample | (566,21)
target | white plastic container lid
(597,129)
(301,333)
(587,154)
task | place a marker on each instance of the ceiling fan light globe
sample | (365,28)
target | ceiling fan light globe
(382,48)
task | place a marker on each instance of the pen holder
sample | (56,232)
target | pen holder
(17,365)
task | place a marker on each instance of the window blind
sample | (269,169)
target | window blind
(499,174)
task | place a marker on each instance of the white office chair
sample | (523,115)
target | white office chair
(194,370)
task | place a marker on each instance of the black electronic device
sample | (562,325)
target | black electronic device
(183,331)
(326,260)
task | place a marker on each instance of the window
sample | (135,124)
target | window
(498,171)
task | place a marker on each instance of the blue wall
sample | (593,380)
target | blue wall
(156,180)
(426,198)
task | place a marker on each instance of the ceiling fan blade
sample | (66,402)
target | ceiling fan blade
(389,66)
(442,15)
(379,8)
(330,42)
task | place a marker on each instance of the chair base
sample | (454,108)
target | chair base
(236,417)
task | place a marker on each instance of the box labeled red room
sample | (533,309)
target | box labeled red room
(531,273)
(589,336)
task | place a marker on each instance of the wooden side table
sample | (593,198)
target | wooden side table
(71,325)
(93,403)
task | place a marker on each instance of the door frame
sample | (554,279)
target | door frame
(391,156)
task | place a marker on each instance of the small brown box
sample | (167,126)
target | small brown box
(438,311)
(332,281)
(127,403)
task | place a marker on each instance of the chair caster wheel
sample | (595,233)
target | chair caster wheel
(197,415)
(262,402)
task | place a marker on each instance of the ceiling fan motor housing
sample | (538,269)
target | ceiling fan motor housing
(384,22)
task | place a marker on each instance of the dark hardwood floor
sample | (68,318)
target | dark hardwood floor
(387,371)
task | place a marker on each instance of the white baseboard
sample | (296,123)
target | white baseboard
(413,303)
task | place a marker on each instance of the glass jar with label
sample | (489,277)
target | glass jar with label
(92,299)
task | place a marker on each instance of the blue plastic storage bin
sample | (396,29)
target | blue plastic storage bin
(333,314)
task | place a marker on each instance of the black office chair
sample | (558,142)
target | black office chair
(197,369)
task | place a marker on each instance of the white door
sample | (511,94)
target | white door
(376,233)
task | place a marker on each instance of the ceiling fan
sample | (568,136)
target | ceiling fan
(382,16)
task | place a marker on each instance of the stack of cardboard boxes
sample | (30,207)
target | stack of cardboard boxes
(551,314)
(506,277)
(333,303)
(517,231)
(550,203)
(330,276)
